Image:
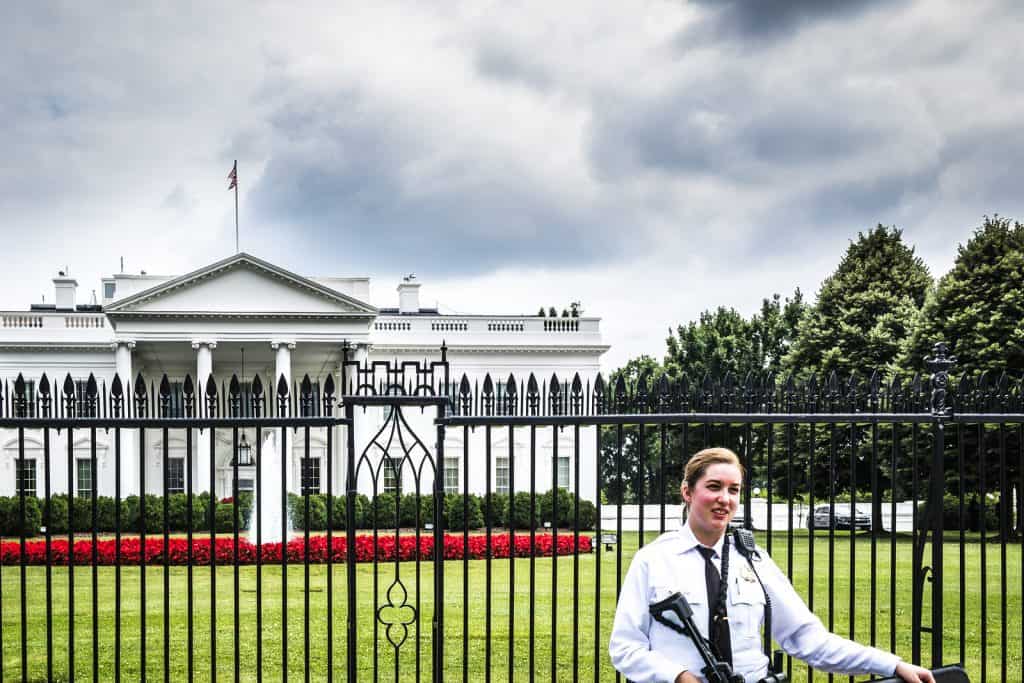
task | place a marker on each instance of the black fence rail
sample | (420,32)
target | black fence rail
(480,530)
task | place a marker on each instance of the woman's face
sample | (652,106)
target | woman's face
(713,501)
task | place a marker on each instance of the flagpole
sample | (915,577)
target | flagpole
(237,249)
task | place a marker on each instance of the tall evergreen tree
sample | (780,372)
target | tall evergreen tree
(865,309)
(978,310)
(978,306)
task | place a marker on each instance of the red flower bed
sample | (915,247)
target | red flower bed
(405,547)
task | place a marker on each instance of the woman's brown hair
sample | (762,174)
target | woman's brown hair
(701,461)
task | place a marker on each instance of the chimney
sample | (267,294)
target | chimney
(408,297)
(65,288)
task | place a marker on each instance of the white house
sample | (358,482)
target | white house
(246,310)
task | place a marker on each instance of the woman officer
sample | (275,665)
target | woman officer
(646,651)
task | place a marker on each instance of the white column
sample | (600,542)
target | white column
(363,429)
(204,368)
(129,473)
(283,368)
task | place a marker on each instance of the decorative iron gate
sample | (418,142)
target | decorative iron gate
(480,529)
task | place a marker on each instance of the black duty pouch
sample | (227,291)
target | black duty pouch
(953,673)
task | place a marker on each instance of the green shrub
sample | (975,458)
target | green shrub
(462,512)
(499,509)
(106,516)
(317,512)
(383,514)
(408,510)
(362,510)
(565,505)
(58,514)
(520,513)
(81,514)
(225,518)
(427,509)
(10,513)
(177,513)
(131,514)
(588,515)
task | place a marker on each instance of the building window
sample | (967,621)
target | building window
(175,475)
(246,485)
(310,475)
(108,289)
(392,481)
(82,407)
(85,480)
(563,472)
(26,476)
(30,399)
(501,475)
(310,408)
(177,400)
(451,475)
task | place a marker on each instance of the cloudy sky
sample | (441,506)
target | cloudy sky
(649,159)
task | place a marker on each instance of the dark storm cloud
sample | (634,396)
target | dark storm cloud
(341,174)
(985,162)
(771,19)
(863,201)
(734,128)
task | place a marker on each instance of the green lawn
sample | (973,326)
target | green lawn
(592,645)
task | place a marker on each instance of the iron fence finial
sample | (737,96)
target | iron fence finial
(939,364)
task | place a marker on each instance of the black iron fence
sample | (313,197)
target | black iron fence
(479,530)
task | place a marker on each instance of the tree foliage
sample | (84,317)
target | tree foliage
(865,309)
(724,341)
(978,306)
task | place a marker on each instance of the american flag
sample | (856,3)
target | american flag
(233,177)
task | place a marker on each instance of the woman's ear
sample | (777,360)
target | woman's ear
(684,491)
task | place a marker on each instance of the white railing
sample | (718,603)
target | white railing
(561,324)
(488,325)
(85,321)
(52,320)
(23,320)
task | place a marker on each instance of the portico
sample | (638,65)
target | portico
(247,317)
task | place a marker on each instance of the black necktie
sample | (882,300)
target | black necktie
(718,622)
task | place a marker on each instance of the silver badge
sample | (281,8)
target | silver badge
(747,574)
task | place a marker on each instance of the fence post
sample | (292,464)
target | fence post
(939,365)
(350,533)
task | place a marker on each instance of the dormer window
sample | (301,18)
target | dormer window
(108,289)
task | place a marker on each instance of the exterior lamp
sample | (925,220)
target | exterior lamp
(244,451)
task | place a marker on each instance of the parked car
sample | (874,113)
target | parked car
(859,520)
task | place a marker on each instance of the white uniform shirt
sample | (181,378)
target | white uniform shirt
(646,651)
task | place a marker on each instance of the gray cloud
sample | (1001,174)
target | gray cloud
(179,200)
(340,171)
(773,19)
(502,64)
(642,141)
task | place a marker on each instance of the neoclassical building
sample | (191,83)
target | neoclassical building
(246,316)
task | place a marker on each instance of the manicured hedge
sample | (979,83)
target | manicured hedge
(383,512)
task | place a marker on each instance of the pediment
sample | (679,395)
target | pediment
(242,285)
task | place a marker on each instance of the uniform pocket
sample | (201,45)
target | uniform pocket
(660,591)
(746,607)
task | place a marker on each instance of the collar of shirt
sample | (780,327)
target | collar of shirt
(688,541)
